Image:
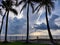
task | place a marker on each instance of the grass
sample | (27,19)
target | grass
(20,43)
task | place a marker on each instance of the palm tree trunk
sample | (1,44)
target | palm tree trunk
(27,39)
(2,24)
(6,26)
(49,32)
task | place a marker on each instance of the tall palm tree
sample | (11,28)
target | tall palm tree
(26,4)
(0,28)
(49,5)
(7,5)
(2,22)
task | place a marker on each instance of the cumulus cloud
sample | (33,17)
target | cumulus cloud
(15,26)
(52,24)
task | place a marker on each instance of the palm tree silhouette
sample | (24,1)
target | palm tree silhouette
(7,5)
(48,5)
(26,4)
(2,22)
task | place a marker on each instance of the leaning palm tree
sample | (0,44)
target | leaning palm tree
(2,19)
(7,5)
(2,23)
(26,4)
(48,5)
(0,28)
(1,15)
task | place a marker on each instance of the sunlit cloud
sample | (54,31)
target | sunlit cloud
(57,21)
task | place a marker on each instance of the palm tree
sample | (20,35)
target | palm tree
(1,15)
(49,5)
(2,22)
(7,5)
(0,28)
(26,4)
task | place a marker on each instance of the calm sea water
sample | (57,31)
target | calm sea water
(12,38)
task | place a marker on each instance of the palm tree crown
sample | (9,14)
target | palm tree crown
(49,4)
(25,2)
(7,5)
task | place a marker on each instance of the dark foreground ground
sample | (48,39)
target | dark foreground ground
(43,41)
(32,42)
(21,43)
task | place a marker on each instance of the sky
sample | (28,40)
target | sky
(37,21)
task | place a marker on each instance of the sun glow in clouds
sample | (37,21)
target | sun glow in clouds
(38,33)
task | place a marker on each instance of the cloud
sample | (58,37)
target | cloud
(57,21)
(15,25)
(52,24)
(41,26)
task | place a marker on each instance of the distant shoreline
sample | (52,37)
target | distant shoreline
(23,37)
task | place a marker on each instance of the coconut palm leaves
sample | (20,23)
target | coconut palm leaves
(45,3)
(7,5)
(25,2)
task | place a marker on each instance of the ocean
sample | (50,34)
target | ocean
(23,37)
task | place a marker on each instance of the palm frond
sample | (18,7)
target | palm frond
(14,11)
(16,2)
(19,3)
(0,12)
(32,6)
(36,7)
(4,3)
(39,7)
(24,6)
(52,5)
(49,9)
(0,5)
